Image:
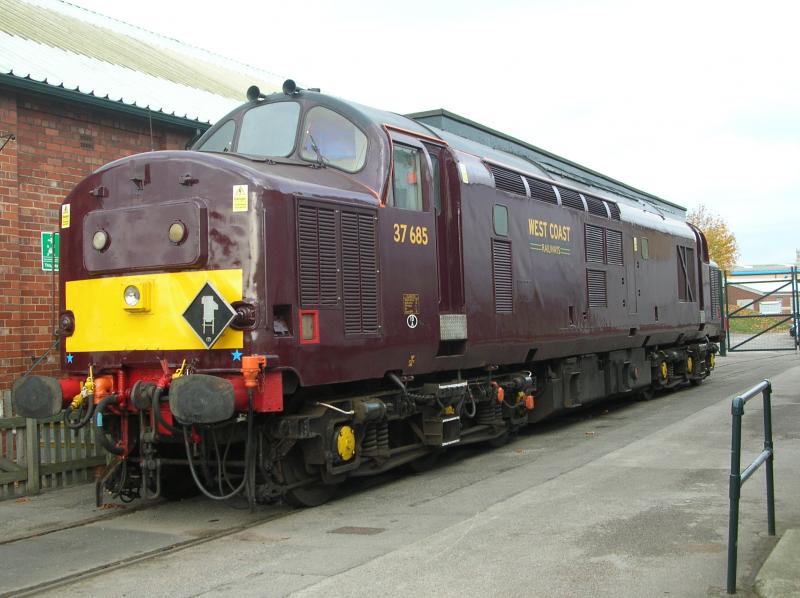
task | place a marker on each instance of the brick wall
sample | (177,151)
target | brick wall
(57,144)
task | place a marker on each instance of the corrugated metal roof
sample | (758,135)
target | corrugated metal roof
(63,45)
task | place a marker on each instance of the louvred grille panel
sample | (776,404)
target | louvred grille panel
(614,247)
(715,293)
(317,256)
(614,209)
(595,249)
(571,199)
(502,276)
(507,180)
(542,191)
(596,206)
(359,273)
(596,286)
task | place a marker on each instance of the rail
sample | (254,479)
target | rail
(738,477)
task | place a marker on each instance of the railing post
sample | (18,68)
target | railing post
(33,456)
(737,409)
(768,447)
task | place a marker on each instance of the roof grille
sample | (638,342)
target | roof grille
(596,287)
(596,206)
(594,244)
(542,191)
(507,180)
(502,277)
(614,209)
(571,199)
(614,247)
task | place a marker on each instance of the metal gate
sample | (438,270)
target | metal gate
(761,309)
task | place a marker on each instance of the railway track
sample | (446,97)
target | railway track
(118,560)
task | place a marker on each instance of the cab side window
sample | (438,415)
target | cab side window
(407,181)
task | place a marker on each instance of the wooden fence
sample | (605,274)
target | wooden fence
(44,454)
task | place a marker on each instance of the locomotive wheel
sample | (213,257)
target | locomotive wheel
(313,492)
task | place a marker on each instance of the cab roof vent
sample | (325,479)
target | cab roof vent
(507,180)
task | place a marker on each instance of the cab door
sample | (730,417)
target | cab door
(409,272)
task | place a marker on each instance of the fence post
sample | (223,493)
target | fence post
(734,490)
(723,308)
(33,456)
(768,447)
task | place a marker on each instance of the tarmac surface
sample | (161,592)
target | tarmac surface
(625,499)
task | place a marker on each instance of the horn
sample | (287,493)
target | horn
(290,87)
(254,93)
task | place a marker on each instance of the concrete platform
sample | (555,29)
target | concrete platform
(780,575)
(627,499)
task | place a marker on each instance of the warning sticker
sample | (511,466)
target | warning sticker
(240,198)
(209,315)
(65,216)
(410,303)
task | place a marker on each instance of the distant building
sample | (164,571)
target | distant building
(78,90)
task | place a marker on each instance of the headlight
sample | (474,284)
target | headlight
(132,296)
(177,232)
(100,240)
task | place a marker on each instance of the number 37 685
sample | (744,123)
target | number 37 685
(416,235)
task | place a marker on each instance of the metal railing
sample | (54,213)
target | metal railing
(738,477)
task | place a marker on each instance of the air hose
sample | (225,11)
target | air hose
(247,456)
(76,425)
(101,434)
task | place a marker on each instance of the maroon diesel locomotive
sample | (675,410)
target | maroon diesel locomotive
(320,290)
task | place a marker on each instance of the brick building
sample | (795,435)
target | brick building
(78,90)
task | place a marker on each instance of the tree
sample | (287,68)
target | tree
(722,246)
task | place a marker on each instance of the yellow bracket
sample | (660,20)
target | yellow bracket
(87,390)
(179,372)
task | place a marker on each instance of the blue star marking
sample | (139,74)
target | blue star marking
(70,357)
(237,355)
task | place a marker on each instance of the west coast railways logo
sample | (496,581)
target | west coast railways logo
(550,237)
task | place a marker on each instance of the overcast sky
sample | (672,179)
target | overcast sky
(696,102)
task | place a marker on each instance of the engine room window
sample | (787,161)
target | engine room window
(330,138)
(500,220)
(407,185)
(269,130)
(221,140)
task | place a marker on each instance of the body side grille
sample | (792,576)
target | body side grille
(595,244)
(596,206)
(614,247)
(571,199)
(541,191)
(502,276)
(507,180)
(596,288)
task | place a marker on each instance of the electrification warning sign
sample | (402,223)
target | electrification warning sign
(209,315)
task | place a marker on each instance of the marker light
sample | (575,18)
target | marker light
(132,296)
(100,240)
(177,232)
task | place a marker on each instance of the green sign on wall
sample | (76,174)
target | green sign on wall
(49,251)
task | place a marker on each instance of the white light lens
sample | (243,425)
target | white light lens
(177,232)
(100,240)
(132,296)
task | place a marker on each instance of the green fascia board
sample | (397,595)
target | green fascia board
(61,93)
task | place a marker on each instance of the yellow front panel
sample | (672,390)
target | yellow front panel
(103,324)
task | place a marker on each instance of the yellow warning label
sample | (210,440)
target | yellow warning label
(240,198)
(65,216)
(410,303)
